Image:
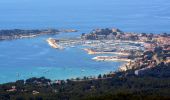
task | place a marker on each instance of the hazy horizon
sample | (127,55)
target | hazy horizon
(129,15)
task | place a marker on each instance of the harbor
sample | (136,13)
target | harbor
(118,50)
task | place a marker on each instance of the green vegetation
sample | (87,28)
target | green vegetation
(153,85)
(20,33)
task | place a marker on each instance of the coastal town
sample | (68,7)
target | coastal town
(140,51)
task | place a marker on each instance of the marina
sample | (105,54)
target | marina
(118,50)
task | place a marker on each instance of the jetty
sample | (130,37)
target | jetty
(110,58)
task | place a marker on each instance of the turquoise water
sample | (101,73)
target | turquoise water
(20,59)
(25,58)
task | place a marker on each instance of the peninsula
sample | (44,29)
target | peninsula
(21,33)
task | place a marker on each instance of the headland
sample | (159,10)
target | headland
(11,34)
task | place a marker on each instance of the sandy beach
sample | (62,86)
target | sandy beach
(53,43)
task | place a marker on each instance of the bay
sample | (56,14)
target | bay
(25,58)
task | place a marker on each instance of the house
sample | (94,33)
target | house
(35,92)
(13,88)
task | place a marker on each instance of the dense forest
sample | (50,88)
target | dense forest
(153,85)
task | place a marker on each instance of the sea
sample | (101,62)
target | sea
(33,57)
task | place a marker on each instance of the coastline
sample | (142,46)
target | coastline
(19,33)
